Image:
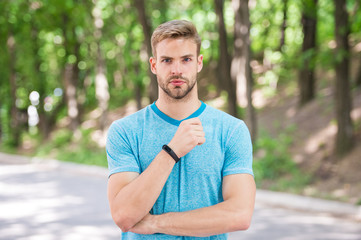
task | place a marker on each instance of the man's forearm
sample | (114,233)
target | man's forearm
(218,219)
(233,214)
(135,200)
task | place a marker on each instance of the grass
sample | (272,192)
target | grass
(273,166)
(65,146)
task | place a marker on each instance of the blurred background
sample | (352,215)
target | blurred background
(290,68)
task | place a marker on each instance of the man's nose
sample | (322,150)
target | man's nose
(176,68)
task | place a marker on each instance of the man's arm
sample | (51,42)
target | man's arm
(233,214)
(131,195)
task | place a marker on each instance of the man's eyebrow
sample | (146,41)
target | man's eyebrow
(187,56)
(184,56)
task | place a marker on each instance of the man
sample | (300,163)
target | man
(179,168)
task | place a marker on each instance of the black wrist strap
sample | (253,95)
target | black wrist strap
(171,153)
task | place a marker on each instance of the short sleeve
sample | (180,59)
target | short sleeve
(120,155)
(238,151)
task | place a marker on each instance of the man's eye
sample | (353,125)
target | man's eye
(166,60)
(187,59)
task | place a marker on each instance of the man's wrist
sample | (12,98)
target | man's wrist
(157,223)
(174,148)
(173,153)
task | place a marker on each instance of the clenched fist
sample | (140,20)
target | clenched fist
(189,134)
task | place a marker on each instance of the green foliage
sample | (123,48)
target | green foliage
(241,112)
(85,156)
(62,137)
(4,125)
(275,161)
(63,146)
(85,151)
(273,165)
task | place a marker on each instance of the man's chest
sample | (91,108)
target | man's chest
(205,158)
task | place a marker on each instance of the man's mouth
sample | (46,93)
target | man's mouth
(177,82)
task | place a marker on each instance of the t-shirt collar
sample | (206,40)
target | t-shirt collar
(176,122)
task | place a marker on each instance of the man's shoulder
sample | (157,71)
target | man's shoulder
(132,121)
(226,124)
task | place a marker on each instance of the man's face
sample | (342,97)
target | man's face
(176,65)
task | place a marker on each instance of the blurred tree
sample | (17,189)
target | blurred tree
(163,7)
(224,61)
(241,69)
(70,75)
(342,87)
(358,76)
(101,82)
(306,76)
(76,26)
(14,113)
(40,82)
(284,25)
(47,119)
(144,21)
(355,20)
(269,19)
(70,71)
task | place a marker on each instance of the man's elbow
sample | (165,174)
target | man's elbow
(243,225)
(124,221)
(242,222)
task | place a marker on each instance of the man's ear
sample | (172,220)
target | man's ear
(153,64)
(200,63)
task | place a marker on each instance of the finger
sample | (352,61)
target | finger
(193,121)
(201,140)
(197,128)
(199,133)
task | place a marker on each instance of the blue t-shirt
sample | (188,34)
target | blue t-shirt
(196,180)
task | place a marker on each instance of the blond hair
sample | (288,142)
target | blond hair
(175,29)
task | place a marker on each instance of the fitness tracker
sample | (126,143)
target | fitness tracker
(171,153)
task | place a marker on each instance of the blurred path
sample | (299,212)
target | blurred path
(46,201)
(54,200)
(284,224)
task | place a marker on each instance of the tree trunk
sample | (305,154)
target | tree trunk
(47,121)
(358,76)
(71,96)
(14,113)
(138,86)
(41,85)
(306,78)
(101,82)
(70,75)
(153,88)
(284,25)
(1,122)
(356,11)
(224,61)
(101,90)
(342,91)
(2,117)
(241,71)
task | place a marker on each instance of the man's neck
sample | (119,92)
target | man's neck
(178,109)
